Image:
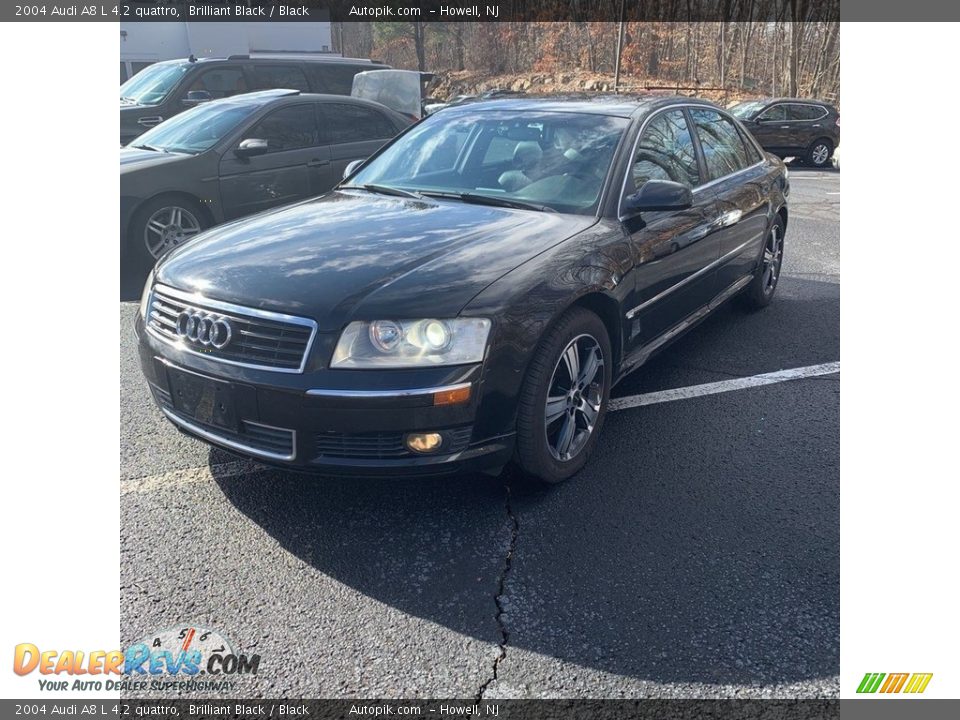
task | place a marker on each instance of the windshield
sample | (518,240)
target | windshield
(554,160)
(197,129)
(151,85)
(746,110)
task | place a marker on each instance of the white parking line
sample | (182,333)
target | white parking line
(723,386)
(188,476)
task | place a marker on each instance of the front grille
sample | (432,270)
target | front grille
(258,439)
(258,338)
(383,445)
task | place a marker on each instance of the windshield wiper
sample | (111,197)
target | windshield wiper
(490,200)
(141,146)
(383,190)
(128,100)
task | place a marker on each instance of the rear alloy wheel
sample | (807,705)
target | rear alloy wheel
(819,153)
(760,291)
(564,398)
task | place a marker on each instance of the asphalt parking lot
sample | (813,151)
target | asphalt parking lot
(696,555)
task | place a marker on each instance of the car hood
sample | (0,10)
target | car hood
(134,158)
(355,255)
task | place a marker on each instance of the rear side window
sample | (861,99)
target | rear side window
(219,82)
(776,112)
(343,123)
(723,148)
(333,78)
(271,77)
(753,154)
(666,152)
(289,128)
(805,112)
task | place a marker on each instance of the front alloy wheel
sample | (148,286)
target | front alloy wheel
(574,398)
(168,227)
(564,397)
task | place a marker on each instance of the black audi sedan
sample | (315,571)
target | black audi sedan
(238,156)
(469,296)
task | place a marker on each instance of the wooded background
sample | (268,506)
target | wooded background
(728,60)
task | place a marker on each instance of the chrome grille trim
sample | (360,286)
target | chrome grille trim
(288,338)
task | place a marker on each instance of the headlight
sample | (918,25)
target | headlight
(411,343)
(145,295)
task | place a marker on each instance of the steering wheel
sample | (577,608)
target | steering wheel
(581,171)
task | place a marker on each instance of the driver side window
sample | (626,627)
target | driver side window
(666,152)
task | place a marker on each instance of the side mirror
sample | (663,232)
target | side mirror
(195,97)
(251,147)
(659,195)
(351,168)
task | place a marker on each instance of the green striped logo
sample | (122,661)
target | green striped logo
(895,683)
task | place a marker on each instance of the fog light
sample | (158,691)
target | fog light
(424,442)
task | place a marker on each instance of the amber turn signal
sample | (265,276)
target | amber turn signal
(452,397)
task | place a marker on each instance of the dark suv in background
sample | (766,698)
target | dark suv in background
(167,88)
(791,127)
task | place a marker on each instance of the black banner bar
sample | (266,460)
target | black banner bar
(239,709)
(346,11)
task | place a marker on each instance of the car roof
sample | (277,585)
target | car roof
(279,96)
(803,101)
(596,104)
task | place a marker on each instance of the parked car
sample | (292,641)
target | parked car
(791,127)
(238,156)
(402,90)
(471,293)
(165,89)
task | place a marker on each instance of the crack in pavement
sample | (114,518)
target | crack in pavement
(498,598)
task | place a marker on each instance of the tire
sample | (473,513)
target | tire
(761,289)
(540,444)
(182,217)
(819,153)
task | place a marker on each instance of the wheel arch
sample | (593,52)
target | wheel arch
(783,215)
(208,218)
(608,310)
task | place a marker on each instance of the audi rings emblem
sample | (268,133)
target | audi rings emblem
(207,330)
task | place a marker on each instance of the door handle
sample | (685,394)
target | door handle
(317,162)
(817,125)
(731,217)
(784,127)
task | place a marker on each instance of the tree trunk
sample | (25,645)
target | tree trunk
(419,30)
(458,45)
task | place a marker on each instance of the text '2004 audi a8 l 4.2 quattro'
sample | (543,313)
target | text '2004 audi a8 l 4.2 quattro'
(470,295)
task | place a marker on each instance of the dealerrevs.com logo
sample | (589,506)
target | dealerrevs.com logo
(172,659)
(910,683)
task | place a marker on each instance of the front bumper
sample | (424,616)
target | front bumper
(332,422)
